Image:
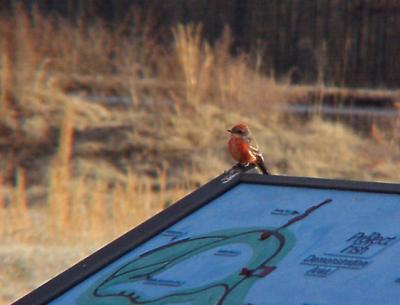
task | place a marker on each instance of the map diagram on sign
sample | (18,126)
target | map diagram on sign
(261,244)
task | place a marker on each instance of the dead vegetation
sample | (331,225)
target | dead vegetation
(74,171)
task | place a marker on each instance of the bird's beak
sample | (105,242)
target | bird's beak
(229,130)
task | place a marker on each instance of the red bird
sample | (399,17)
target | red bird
(244,149)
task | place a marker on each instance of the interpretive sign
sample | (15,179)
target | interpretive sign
(250,240)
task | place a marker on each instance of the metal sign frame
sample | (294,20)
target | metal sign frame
(184,207)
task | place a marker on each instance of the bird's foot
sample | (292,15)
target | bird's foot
(232,172)
(236,170)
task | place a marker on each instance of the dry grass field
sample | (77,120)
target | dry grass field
(76,173)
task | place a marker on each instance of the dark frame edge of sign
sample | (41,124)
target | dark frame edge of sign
(333,184)
(109,253)
(166,218)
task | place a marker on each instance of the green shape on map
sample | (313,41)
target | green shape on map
(121,286)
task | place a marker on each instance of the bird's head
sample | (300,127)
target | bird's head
(241,130)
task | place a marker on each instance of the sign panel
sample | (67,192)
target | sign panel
(261,240)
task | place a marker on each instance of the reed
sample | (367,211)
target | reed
(7,49)
(196,59)
(59,204)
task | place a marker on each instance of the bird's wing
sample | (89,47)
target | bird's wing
(260,159)
(256,151)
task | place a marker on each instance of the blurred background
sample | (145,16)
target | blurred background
(110,111)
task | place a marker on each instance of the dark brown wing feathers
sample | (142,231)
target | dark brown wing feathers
(260,159)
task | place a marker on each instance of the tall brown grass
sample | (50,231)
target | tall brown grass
(6,70)
(42,56)
(196,59)
(174,89)
(80,209)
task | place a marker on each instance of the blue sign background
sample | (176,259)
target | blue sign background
(263,244)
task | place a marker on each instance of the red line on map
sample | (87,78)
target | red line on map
(306,213)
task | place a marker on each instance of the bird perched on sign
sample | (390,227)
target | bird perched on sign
(244,149)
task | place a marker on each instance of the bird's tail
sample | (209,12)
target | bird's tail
(261,166)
